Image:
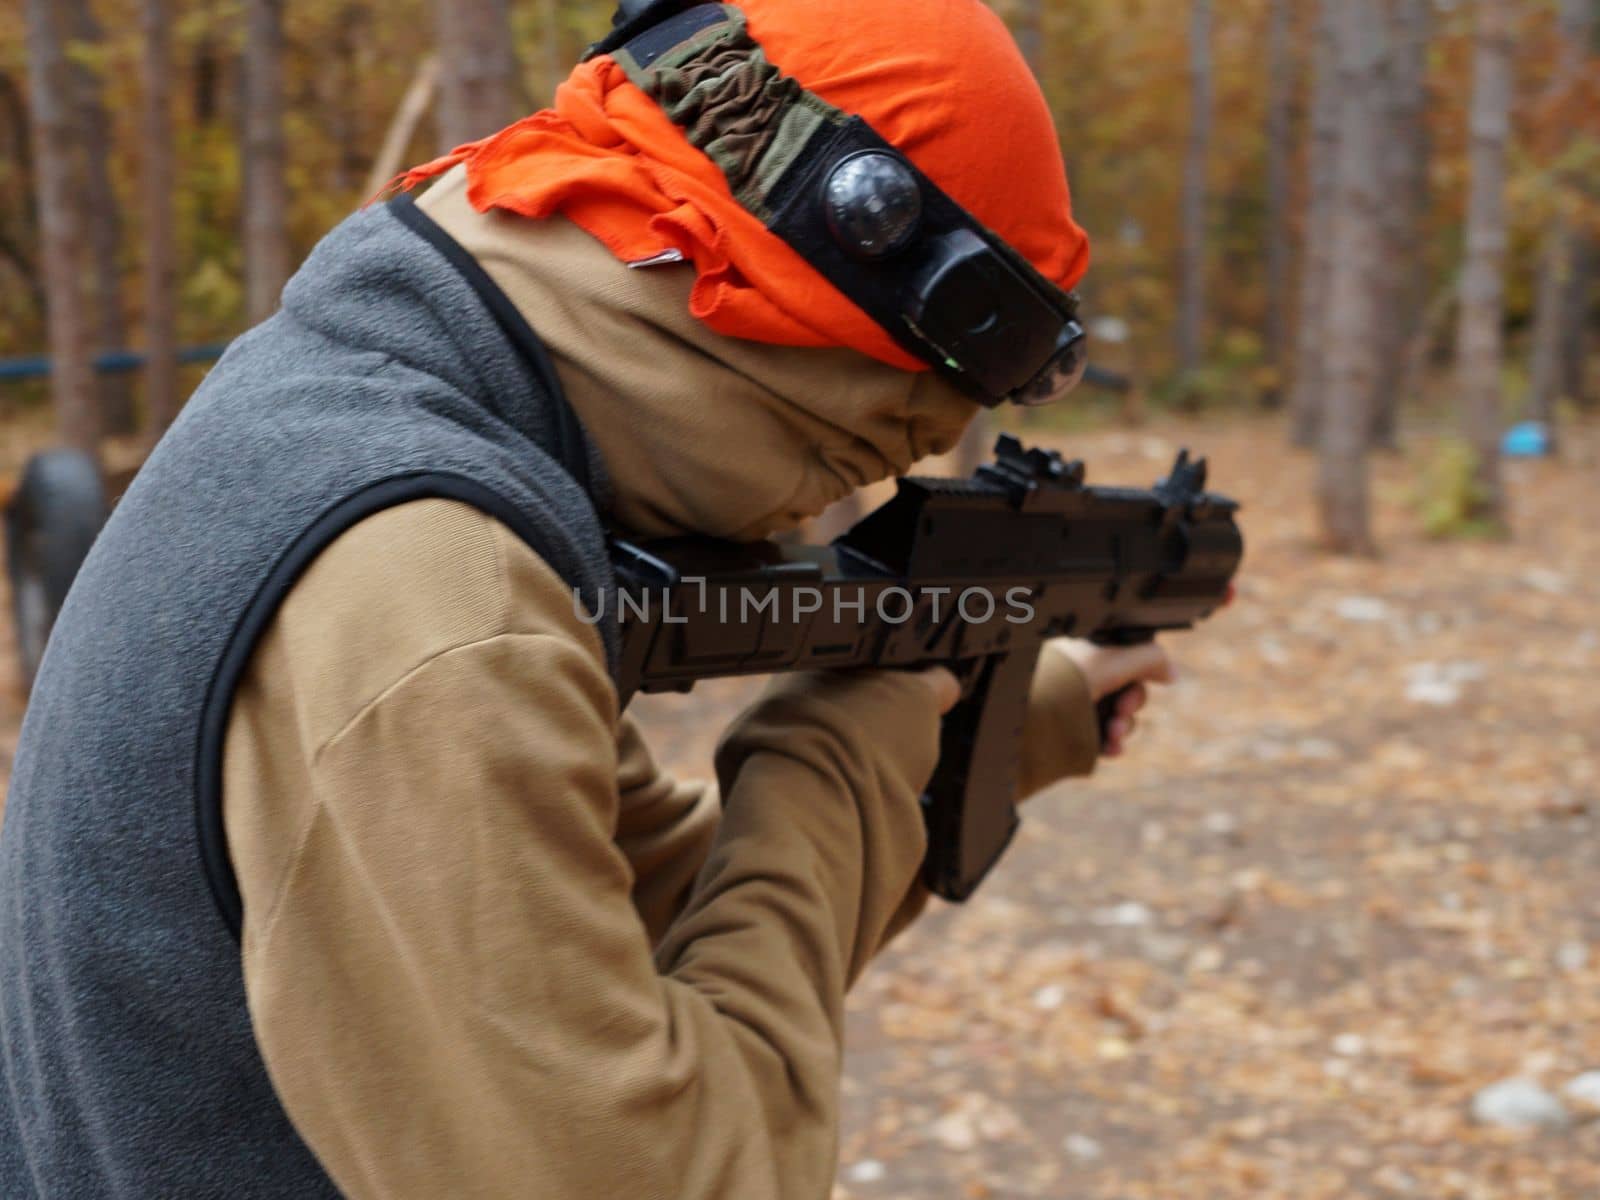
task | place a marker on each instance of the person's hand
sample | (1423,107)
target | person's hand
(946,691)
(1109,670)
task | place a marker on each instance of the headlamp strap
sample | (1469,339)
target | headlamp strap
(633,19)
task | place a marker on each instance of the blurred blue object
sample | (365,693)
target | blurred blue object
(111,362)
(1530,439)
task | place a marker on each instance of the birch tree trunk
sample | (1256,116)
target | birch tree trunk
(1192,298)
(1353,313)
(160,234)
(1307,393)
(478,91)
(103,216)
(1480,333)
(1406,150)
(266,200)
(1558,255)
(1280,100)
(62,225)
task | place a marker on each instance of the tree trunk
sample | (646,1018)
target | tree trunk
(478,91)
(1353,311)
(1307,392)
(206,96)
(1549,326)
(342,98)
(104,217)
(1558,255)
(19,244)
(1406,150)
(1480,332)
(1575,326)
(1280,101)
(1192,299)
(1030,35)
(160,233)
(62,225)
(266,200)
(555,59)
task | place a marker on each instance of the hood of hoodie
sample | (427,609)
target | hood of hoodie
(699,433)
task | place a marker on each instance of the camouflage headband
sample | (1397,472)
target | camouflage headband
(734,105)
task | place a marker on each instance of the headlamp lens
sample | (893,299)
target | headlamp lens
(1062,373)
(874,204)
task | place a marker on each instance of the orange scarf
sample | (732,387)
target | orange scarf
(942,81)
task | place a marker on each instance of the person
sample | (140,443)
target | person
(330,865)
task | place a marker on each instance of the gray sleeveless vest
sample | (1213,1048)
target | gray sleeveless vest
(395,371)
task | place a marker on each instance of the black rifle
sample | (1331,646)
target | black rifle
(972,574)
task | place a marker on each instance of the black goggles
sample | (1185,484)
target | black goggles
(948,290)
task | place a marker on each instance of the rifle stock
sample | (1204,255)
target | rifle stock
(973,574)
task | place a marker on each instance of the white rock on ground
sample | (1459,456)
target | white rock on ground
(1584,1089)
(1050,997)
(1440,684)
(1542,579)
(1362,609)
(1130,914)
(1572,956)
(1350,1045)
(1519,1104)
(868,1170)
(1082,1147)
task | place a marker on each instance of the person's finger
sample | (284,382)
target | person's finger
(946,690)
(1109,669)
(1131,699)
(1142,664)
(1233,594)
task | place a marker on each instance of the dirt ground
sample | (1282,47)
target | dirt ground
(1345,880)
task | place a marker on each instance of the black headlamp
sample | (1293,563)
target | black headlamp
(947,289)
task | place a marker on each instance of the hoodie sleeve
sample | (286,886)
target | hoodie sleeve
(1061,732)
(664,827)
(449,969)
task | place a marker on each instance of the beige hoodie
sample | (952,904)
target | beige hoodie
(489,950)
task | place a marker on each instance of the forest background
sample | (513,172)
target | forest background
(1321,206)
